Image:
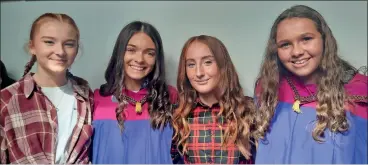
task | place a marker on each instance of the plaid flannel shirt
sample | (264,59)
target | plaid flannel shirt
(204,142)
(28,124)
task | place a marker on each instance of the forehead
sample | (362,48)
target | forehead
(294,27)
(57,29)
(141,39)
(197,50)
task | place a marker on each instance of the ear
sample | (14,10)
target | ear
(31,48)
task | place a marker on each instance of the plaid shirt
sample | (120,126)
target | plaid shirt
(28,124)
(204,141)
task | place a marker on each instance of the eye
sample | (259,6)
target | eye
(190,65)
(48,42)
(70,45)
(208,62)
(132,50)
(284,45)
(152,53)
(307,38)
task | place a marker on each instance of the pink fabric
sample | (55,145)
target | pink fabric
(357,86)
(105,108)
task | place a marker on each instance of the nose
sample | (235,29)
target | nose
(59,49)
(139,57)
(199,71)
(297,50)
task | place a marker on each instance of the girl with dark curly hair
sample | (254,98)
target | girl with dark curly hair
(133,109)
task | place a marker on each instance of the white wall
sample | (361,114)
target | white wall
(243,26)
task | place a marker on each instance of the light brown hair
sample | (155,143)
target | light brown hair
(331,94)
(236,110)
(41,20)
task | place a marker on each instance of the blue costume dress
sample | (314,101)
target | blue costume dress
(290,141)
(138,143)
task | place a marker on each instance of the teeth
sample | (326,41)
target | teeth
(137,68)
(300,62)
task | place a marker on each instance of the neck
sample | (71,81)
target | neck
(133,85)
(311,79)
(208,99)
(45,79)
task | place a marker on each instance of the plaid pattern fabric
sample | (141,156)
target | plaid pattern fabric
(204,142)
(28,124)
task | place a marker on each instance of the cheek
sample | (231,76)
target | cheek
(72,53)
(317,49)
(190,73)
(151,61)
(283,55)
(127,58)
(213,71)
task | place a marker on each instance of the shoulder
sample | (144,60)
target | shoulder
(15,89)
(357,88)
(174,95)
(11,90)
(257,88)
(12,95)
(104,107)
(80,82)
(97,97)
(83,86)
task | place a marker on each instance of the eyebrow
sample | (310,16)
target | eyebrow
(153,49)
(204,57)
(303,35)
(48,37)
(53,38)
(208,56)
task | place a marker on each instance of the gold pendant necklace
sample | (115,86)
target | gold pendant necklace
(138,104)
(297,99)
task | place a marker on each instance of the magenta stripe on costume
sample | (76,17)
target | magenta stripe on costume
(356,87)
(105,109)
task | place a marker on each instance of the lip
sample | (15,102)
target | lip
(59,60)
(201,82)
(300,62)
(137,68)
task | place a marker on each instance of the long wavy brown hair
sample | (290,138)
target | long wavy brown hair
(331,71)
(234,107)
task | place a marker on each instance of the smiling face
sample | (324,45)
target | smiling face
(201,68)
(300,47)
(55,45)
(139,57)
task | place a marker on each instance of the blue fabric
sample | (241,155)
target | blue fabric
(137,144)
(290,140)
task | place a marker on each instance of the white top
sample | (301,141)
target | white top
(66,106)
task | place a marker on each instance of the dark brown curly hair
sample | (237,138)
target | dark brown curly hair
(160,107)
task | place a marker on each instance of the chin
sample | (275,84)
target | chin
(58,70)
(203,90)
(136,77)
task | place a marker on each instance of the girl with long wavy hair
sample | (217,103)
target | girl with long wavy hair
(213,120)
(133,109)
(311,104)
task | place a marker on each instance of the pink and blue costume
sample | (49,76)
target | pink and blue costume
(290,140)
(138,143)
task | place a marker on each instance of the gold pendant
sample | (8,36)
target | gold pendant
(296,106)
(138,107)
